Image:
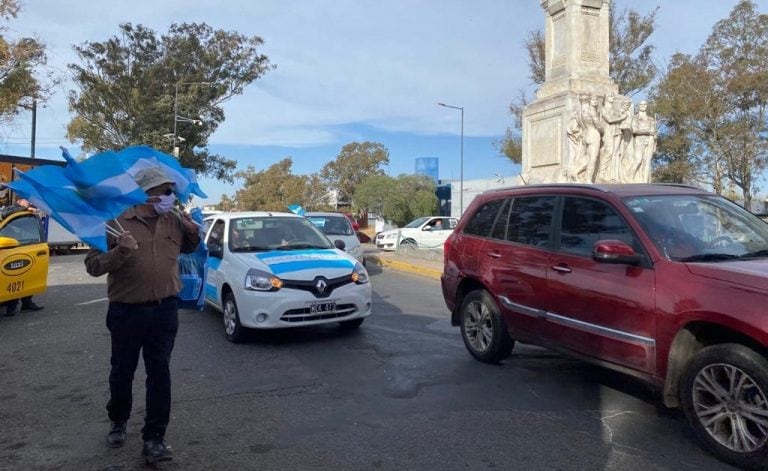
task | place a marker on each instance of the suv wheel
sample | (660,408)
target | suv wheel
(483,329)
(724,392)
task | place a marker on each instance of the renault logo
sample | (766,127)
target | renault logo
(321,285)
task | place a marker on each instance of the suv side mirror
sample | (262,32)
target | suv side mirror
(426,228)
(339,244)
(614,251)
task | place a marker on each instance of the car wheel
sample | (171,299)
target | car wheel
(234,331)
(351,324)
(724,393)
(483,329)
(408,243)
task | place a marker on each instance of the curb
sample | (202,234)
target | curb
(406,267)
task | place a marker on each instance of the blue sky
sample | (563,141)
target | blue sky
(348,70)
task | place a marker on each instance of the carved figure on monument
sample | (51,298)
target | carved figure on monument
(575,132)
(643,145)
(608,171)
(624,150)
(584,132)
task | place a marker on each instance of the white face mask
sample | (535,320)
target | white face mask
(165,204)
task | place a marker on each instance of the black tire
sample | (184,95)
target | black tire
(351,324)
(492,343)
(728,382)
(234,331)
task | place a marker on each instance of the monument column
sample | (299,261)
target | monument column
(576,129)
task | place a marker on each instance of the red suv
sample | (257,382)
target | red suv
(668,283)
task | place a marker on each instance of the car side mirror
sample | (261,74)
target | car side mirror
(426,228)
(8,243)
(614,251)
(339,244)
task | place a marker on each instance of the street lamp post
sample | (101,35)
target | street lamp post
(461,168)
(177,119)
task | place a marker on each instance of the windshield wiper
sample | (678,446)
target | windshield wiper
(756,254)
(709,257)
(300,246)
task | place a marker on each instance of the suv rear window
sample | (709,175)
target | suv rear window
(482,221)
(530,220)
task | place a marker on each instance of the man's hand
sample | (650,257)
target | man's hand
(189,224)
(126,242)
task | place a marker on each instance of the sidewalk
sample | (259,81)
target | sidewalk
(427,263)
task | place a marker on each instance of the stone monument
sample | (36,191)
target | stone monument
(579,129)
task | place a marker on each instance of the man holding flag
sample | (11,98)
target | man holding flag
(143,278)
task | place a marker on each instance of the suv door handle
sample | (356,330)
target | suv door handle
(561,268)
(493,254)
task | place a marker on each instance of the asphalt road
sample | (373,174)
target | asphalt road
(399,394)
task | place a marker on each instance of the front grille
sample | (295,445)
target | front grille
(303,314)
(312,286)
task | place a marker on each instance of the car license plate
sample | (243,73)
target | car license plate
(317,308)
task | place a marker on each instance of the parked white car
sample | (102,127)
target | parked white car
(337,227)
(273,270)
(428,232)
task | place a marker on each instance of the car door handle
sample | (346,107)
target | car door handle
(561,268)
(493,254)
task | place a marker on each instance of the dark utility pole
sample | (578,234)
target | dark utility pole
(34,126)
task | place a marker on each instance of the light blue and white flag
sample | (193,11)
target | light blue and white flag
(296,209)
(103,182)
(64,204)
(135,158)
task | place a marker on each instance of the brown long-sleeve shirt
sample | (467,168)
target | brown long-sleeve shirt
(151,272)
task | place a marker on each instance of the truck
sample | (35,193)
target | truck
(59,239)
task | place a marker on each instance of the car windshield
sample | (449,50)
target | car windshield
(417,222)
(700,228)
(253,234)
(332,225)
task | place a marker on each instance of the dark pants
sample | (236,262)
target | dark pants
(152,329)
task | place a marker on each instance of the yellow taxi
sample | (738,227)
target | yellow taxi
(24,256)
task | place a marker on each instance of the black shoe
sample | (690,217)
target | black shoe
(156,451)
(30,306)
(116,436)
(11,311)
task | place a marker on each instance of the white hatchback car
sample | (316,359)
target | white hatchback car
(428,232)
(272,270)
(337,227)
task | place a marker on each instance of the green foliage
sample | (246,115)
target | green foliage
(272,189)
(24,77)
(400,199)
(355,162)
(713,106)
(128,86)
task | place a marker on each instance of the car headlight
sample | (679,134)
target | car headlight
(257,280)
(360,275)
(354,250)
(390,236)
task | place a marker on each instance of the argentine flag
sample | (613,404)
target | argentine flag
(135,158)
(103,183)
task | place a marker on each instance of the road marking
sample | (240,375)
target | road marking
(92,301)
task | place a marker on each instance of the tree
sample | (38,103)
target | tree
(717,102)
(272,189)
(400,199)
(355,162)
(631,67)
(128,87)
(315,196)
(24,77)
(690,111)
